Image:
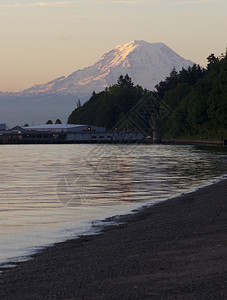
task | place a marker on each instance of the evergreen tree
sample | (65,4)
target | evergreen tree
(125,81)
(78,104)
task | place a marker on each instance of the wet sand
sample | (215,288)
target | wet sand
(176,249)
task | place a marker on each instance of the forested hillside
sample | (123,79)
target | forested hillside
(197,101)
(189,103)
(108,107)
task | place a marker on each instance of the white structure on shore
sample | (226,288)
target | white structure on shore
(84,133)
(65,128)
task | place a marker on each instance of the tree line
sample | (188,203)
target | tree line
(197,101)
(109,106)
(188,103)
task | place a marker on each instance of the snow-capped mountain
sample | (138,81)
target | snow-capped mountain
(147,64)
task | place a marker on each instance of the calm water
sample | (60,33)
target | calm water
(50,193)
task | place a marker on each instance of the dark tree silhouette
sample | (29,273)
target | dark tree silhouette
(125,81)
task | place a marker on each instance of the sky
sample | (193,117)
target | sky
(46,39)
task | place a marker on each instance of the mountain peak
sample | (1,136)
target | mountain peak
(146,63)
(126,49)
(141,43)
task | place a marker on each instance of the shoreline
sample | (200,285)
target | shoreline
(92,230)
(170,250)
(164,141)
(202,142)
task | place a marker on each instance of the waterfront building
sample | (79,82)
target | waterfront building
(67,133)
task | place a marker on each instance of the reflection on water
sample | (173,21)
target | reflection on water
(50,192)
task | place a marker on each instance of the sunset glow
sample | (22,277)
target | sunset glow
(43,40)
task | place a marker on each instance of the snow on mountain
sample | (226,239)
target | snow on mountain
(146,63)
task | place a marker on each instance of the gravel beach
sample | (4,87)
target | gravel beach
(176,249)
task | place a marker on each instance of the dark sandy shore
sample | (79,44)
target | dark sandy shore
(173,250)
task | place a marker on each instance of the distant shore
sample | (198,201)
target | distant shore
(205,142)
(172,250)
(221,142)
